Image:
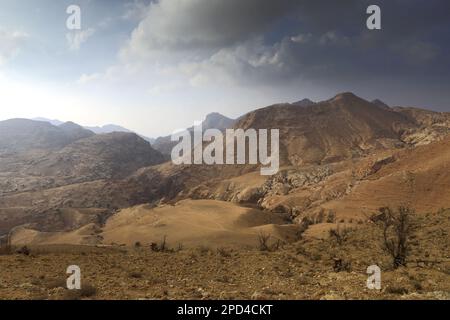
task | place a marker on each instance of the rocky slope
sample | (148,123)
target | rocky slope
(103,156)
(429,126)
(67,167)
(343,127)
(336,158)
(212,121)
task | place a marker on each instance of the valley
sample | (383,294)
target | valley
(71,194)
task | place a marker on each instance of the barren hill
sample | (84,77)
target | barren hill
(418,178)
(343,127)
(341,158)
(188,223)
(75,131)
(102,156)
(26,135)
(84,175)
(350,190)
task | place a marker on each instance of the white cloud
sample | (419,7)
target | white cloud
(116,73)
(235,65)
(333,38)
(302,38)
(199,25)
(85,78)
(215,42)
(196,43)
(10,43)
(135,10)
(76,38)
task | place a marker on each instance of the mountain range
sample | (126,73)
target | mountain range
(108,128)
(342,157)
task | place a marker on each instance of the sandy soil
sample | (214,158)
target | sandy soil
(189,223)
(302,270)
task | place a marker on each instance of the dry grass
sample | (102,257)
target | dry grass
(303,270)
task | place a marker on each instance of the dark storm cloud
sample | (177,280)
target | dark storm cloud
(333,39)
(206,24)
(276,42)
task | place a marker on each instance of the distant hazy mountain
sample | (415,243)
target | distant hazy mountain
(217,121)
(101,156)
(54,122)
(75,131)
(109,128)
(213,120)
(18,135)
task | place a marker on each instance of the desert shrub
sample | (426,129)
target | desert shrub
(204,250)
(287,273)
(86,291)
(331,216)
(263,240)
(340,234)
(417,285)
(396,289)
(320,216)
(397,229)
(24,250)
(135,275)
(277,245)
(315,256)
(300,250)
(161,247)
(341,265)
(5,246)
(223,252)
(303,226)
(56,283)
(137,244)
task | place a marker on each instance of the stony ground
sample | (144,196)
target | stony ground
(302,270)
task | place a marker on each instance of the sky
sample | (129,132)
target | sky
(158,66)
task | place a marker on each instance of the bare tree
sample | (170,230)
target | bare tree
(397,229)
(263,240)
(161,247)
